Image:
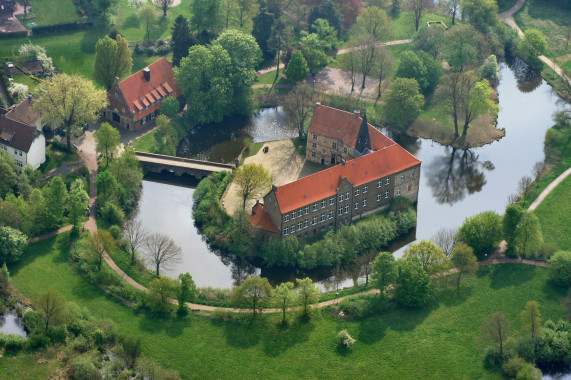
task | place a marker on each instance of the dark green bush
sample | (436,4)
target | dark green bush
(57,334)
(82,368)
(38,340)
(115,231)
(33,320)
(14,343)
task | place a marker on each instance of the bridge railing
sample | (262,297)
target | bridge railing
(186,160)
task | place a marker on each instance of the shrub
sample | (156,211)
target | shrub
(82,368)
(164,49)
(38,340)
(151,50)
(33,320)
(512,366)
(361,306)
(14,343)
(560,268)
(482,232)
(57,334)
(492,357)
(112,214)
(115,231)
(345,339)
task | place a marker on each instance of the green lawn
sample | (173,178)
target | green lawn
(552,19)
(145,143)
(23,366)
(439,341)
(554,213)
(268,78)
(567,67)
(52,12)
(504,5)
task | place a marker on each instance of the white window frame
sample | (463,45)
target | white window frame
(314,220)
(387,194)
(286,218)
(286,231)
(293,228)
(379,196)
(331,201)
(402,177)
(306,210)
(365,189)
(357,192)
(340,211)
(398,191)
(324,203)
(293,215)
(300,212)
(365,202)
(357,205)
(346,208)
(315,205)
(388,181)
(379,183)
(341,197)
(330,216)
(299,226)
(322,217)
(305,223)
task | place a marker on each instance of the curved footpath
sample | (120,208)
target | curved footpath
(507,17)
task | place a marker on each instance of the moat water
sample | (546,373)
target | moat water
(454,184)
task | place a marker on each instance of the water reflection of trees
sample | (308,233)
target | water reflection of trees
(456,174)
(527,78)
(240,269)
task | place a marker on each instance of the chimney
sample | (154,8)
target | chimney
(147,73)
(356,114)
(317,105)
(116,80)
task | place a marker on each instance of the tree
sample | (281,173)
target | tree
(452,7)
(181,40)
(298,105)
(430,256)
(107,140)
(13,243)
(307,293)
(531,319)
(170,107)
(69,100)
(185,292)
(481,232)
(374,22)
(490,69)
(277,41)
(464,260)
(136,4)
(417,7)
(523,186)
(403,103)
(164,5)
(5,283)
(327,34)
(206,16)
(446,239)
(297,69)
(283,296)
(161,251)
(203,77)
(384,271)
(37,212)
(350,64)
(159,296)
(411,66)
(105,6)
(242,12)
(327,11)
(55,194)
(8,174)
(149,17)
(166,137)
(112,60)
(412,284)
(495,329)
(461,46)
(510,221)
(349,9)
(9,215)
(107,189)
(528,234)
(135,233)
(245,55)
(476,101)
(383,68)
(262,24)
(430,40)
(560,268)
(254,292)
(54,307)
(101,243)
(78,201)
(482,14)
(253,180)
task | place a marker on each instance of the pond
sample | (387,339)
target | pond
(454,184)
(11,323)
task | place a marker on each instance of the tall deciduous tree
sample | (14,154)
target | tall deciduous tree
(307,293)
(403,103)
(384,271)
(181,39)
(55,193)
(253,180)
(254,293)
(528,234)
(161,251)
(496,329)
(277,41)
(206,16)
(149,17)
(476,101)
(166,137)
(170,107)
(560,268)
(78,200)
(38,212)
(263,24)
(299,105)
(164,5)
(8,174)
(326,10)
(417,7)
(451,7)
(510,221)
(464,260)
(296,69)
(412,284)
(185,292)
(135,233)
(430,256)
(52,304)
(531,319)
(101,243)
(482,232)
(461,47)
(283,296)
(482,14)
(446,239)
(112,60)
(383,68)
(350,64)
(159,296)
(107,140)
(203,76)
(69,100)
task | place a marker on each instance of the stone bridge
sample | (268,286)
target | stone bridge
(158,163)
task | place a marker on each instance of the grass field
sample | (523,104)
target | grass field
(552,19)
(51,12)
(439,341)
(554,213)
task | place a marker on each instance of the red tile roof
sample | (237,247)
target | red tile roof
(261,219)
(16,134)
(344,126)
(381,163)
(137,89)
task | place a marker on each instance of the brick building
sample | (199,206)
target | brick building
(369,170)
(137,100)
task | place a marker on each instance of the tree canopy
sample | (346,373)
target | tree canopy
(112,60)
(403,103)
(253,180)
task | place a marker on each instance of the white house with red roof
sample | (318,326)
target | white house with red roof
(23,142)
(137,100)
(369,170)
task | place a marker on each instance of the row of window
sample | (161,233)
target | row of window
(148,117)
(304,224)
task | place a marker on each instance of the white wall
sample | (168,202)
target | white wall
(37,154)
